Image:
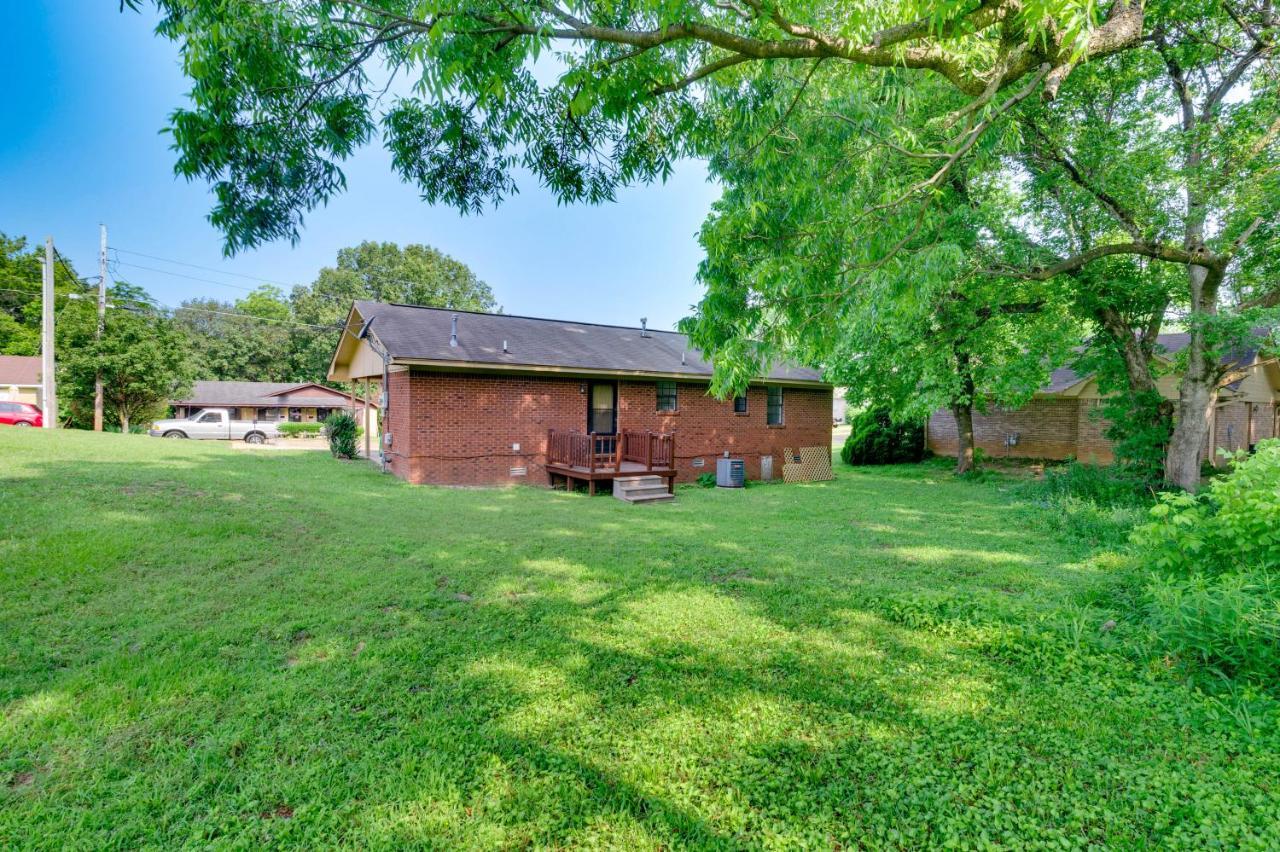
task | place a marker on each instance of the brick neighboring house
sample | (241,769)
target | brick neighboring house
(297,402)
(1062,419)
(473,398)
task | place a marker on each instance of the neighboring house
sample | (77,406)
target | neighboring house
(274,401)
(20,379)
(839,407)
(1062,420)
(476,398)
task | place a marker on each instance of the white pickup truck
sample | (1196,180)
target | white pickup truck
(215,424)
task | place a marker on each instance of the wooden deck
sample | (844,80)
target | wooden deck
(574,457)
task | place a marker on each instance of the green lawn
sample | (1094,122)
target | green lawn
(205,646)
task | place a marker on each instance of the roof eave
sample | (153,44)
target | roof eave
(539,369)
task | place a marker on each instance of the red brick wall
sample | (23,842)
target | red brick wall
(705,427)
(1091,446)
(1232,432)
(455,429)
(1047,429)
(1047,433)
(1264,421)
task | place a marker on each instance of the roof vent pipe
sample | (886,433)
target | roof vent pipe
(453,335)
(644,326)
(682,359)
(504,346)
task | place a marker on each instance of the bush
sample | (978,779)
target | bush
(1229,625)
(1094,505)
(1229,526)
(876,439)
(342,430)
(297,430)
(1216,600)
(1104,485)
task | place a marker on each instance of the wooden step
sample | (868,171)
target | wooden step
(641,489)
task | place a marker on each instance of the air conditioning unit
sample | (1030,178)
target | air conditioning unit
(731,473)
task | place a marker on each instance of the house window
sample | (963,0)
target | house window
(267,414)
(322,414)
(295,415)
(773,413)
(740,404)
(666,396)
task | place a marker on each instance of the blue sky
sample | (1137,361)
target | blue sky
(88,91)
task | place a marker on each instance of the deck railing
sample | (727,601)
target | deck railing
(578,449)
(653,450)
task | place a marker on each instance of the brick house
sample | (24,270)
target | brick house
(484,399)
(1062,420)
(295,402)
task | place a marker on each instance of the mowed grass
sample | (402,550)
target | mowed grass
(204,646)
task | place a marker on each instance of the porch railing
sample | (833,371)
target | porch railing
(589,450)
(651,449)
(578,449)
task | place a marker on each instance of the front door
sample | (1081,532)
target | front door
(602,408)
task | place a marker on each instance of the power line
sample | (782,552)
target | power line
(198,266)
(174,310)
(188,277)
(332,299)
(311,292)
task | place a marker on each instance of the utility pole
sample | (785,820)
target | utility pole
(102,316)
(47,364)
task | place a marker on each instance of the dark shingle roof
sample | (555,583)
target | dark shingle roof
(419,333)
(19,370)
(1169,346)
(265,394)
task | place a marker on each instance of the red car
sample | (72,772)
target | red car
(20,414)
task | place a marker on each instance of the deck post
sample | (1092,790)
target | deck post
(648,451)
(591,455)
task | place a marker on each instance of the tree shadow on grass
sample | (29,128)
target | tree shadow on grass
(392,664)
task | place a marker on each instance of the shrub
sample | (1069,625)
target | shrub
(877,439)
(342,430)
(1094,505)
(1216,600)
(1228,624)
(1229,526)
(296,430)
(1104,485)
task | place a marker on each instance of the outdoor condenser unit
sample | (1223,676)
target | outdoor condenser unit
(730,473)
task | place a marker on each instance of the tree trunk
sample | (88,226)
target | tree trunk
(1198,393)
(1136,355)
(124,423)
(964,437)
(962,409)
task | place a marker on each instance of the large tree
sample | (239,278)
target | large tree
(1171,154)
(142,356)
(283,92)
(383,272)
(20,293)
(246,340)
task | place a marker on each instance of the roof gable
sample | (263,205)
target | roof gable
(313,389)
